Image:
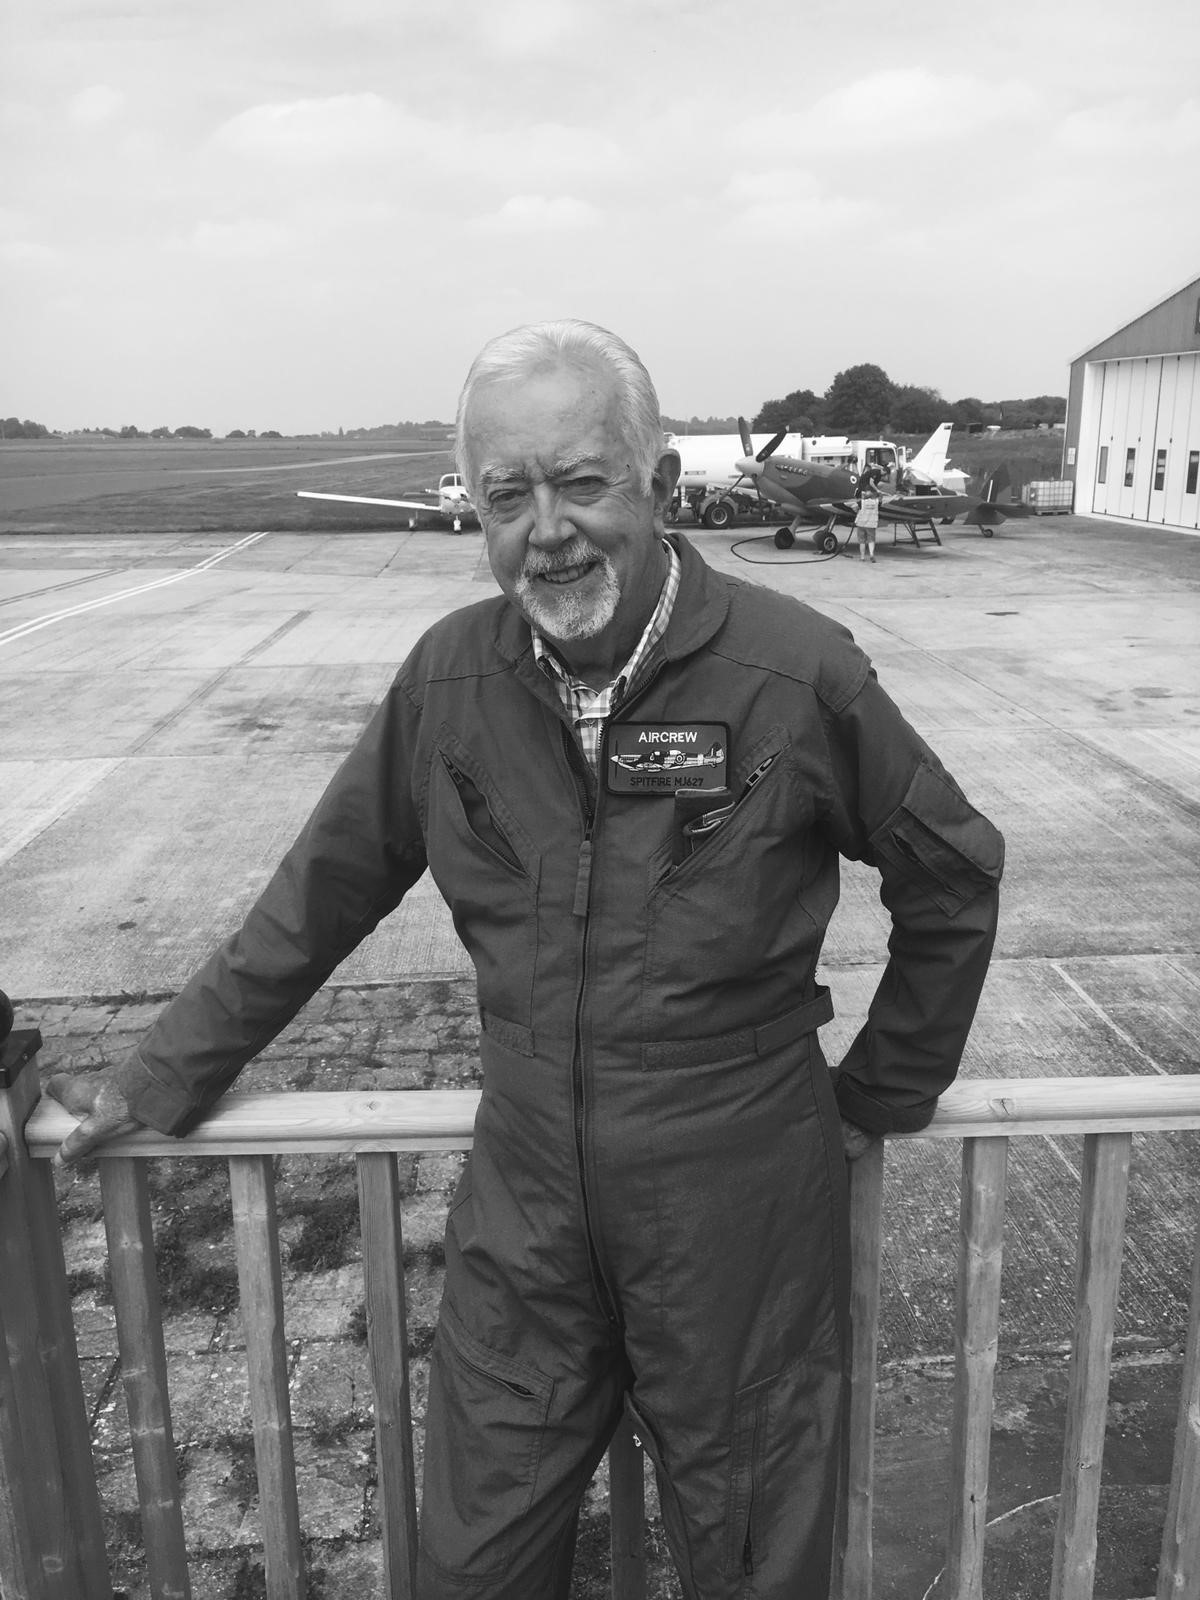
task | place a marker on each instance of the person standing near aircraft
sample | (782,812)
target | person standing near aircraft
(653,1218)
(866,518)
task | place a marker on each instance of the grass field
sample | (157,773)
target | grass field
(53,487)
(47,486)
(1030,456)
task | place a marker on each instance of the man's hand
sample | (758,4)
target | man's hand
(98,1100)
(856,1141)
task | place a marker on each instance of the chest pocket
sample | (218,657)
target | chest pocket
(487,870)
(733,907)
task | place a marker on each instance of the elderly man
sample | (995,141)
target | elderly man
(631,778)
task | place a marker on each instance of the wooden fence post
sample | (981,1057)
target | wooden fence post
(138,1307)
(1101,1241)
(20,1570)
(977,1322)
(854,1553)
(63,1533)
(1179,1567)
(260,1286)
(387,1347)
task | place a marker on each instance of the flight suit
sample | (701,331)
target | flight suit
(653,1215)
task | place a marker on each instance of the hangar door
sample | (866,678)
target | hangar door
(1147,463)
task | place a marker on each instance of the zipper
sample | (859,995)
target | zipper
(758,1423)
(510,1384)
(480,817)
(583,882)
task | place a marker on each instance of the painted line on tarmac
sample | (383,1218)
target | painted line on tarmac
(36,623)
(1094,1005)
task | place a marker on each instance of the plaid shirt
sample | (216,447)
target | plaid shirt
(589,708)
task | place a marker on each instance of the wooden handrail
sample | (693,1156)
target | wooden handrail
(310,1121)
(249,1129)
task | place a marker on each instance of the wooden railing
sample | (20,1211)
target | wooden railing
(51,1529)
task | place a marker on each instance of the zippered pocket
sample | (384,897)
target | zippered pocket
(480,817)
(487,869)
(483,1495)
(743,1533)
(706,834)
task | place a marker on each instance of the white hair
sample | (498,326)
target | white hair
(523,351)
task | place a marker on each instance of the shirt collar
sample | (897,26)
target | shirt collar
(651,633)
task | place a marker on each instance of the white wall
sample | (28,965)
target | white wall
(1140,429)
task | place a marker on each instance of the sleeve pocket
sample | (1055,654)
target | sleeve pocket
(936,839)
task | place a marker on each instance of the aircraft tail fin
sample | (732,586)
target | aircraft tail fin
(931,459)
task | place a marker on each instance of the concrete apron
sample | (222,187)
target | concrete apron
(158,752)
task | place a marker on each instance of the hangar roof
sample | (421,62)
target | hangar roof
(1169,326)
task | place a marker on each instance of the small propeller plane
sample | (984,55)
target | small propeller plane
(825,496)
(453,502)
(798,486)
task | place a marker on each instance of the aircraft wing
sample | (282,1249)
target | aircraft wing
(923,506)
(979,513)
(368,500)
(987,513)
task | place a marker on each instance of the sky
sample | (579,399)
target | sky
(307,216)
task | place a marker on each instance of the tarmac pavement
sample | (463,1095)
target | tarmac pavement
(170,709)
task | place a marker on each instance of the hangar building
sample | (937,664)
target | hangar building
(1132,444)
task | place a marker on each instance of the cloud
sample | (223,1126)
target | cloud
(373,130)
(537,213)
(249,239)
(18,247)
(789,203)
(356,143)
(1128,127)
(522,29)
(897,106)
(329,129)
(27,252)
(99,103)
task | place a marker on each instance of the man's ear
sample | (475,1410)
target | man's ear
(664,479)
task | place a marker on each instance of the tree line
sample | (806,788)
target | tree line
(13,428)
(863,402)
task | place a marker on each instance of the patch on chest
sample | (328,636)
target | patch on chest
(661,757)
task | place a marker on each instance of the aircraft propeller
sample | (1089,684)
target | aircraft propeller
(769,449)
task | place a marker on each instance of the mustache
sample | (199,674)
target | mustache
(572,554)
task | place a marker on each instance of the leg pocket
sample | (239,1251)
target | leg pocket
(485,1430)
(783,1476)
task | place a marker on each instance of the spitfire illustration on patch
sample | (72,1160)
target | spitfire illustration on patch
(659,757)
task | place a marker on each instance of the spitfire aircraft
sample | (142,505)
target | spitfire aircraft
(453,503)
(824,497)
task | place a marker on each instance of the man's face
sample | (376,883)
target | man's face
(571,536)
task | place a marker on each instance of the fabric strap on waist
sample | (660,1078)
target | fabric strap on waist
(762,1041)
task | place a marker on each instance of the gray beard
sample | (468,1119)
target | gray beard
(569,616)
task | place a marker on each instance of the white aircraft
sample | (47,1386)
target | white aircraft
(931,468)
(453,501)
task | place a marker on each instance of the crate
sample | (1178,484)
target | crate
(1048,496)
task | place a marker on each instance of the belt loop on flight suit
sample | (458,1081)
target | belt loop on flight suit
(807,1018)
(761,1041)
